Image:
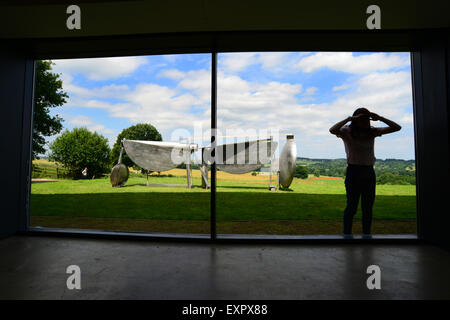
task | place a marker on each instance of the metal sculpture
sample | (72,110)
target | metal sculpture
(159,156)
(288,162)
(243,157)
(235,158)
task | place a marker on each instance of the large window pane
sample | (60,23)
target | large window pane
(145,98)
(304,94)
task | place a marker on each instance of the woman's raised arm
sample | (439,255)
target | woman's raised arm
(335,129)
(392,126)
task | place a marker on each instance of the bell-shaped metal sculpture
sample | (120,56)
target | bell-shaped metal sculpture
(119,173)
(288,162)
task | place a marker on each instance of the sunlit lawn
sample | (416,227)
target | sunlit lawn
(240,198)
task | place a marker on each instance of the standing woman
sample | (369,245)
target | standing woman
(359,138)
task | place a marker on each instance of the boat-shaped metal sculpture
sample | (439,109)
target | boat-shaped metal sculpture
(158,155)
(235,158)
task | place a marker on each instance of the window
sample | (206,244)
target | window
(264,100)
(161,98)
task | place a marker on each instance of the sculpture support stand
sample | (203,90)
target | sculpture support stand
(188,165)
(204,173)
(275,187)
(274,170)
(120,156)
(189,175)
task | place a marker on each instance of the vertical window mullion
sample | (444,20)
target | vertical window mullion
(213,141)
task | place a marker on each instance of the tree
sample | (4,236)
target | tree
(395,179)
(301,172)
(47,94)
(140,131)
(79,149)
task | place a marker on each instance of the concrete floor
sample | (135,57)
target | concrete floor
(34,268)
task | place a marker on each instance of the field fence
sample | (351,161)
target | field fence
(54,172)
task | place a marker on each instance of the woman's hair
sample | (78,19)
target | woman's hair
(354,125)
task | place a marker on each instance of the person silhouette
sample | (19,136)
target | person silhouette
(360,180)
(84,173)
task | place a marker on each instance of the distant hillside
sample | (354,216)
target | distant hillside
(388,171)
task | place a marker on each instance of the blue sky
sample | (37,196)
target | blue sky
(303,93)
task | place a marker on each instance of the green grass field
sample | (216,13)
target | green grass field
(244,205)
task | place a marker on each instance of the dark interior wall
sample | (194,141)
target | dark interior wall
(431,72)
(47,18)
(16,80)
(203,42)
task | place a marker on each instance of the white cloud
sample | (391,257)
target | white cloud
(171,57)
(237,94)
(173,74)
(347,62)
(253,104)
(342,87)
(388,94)
(165,108)
(311,90)
(108,91)
(245,104)
(272,59)
(100,68)
(274,62)
(237,62)
(85,121)
(199,82)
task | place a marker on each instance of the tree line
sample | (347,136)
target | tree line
(388,171)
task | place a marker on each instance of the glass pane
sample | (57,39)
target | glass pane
(295,98)
(153,103)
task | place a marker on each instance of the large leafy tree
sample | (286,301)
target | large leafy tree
(47,94)
(79,149)
(140,131)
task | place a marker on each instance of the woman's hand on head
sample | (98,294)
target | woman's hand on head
(361,115)
(374,117)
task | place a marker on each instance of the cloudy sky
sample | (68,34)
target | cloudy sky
(303,93)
